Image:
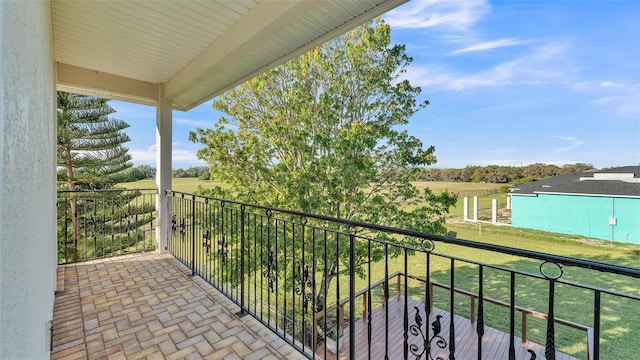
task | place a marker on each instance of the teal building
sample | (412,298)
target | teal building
(603,205)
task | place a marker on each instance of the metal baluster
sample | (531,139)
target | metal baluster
(596,324)
(193,235)
(369,310)
(314,306)
(352,294)
(550,346)
(427,303)
(386,301)
(338,312)
(452,330)
(324,296)
(405,343)
(480,320)
(242,260)
(512,320)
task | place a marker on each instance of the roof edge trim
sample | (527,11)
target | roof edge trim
(586,194)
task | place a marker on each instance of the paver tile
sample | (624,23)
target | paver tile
(146,306)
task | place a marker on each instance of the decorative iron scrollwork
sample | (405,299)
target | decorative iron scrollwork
(303,281)
(222,251)
(183,228)
(549,275)
(207,241)
(416,330)
(269,272)
(428,248)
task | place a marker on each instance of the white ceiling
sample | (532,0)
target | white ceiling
(196,49)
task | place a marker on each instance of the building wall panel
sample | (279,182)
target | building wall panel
(579,215)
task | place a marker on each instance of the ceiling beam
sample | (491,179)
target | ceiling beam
(94,83)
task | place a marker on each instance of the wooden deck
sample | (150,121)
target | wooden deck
(495,343)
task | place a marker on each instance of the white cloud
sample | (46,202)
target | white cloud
(128,111)
(611,84)
(622,98)
(488,45)
(178,155)
(146,156)
(567,138)
(573,143)
(539,66)
(192,123)
(458,14)
(186,156)
(583,85)
(625,105)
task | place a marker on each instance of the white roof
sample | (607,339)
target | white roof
(197,49)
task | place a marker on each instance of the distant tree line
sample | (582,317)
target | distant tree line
(192,172)
(489,174)
(149,172)
(501,174)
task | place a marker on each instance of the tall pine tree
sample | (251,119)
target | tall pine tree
(89,142)
(91,159)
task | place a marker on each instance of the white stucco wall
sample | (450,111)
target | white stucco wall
(27,176)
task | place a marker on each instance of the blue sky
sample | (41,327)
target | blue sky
(509,82)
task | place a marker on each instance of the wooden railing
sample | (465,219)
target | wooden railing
(364,293)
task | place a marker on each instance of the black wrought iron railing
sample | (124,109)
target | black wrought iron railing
(320,282)
(103,223)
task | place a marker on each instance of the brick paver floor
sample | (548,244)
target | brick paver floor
(147,306)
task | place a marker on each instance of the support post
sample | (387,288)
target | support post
(163,168)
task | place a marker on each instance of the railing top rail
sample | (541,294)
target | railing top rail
(106,190)
(563,260)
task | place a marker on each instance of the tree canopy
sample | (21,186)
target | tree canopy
(324,133)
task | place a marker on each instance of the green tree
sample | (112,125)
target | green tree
(324,134)
(91,158)
(577,167)
(90,142)
(540,171)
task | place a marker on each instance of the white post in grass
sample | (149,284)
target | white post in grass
(475,208)
(494,211)
(465,208)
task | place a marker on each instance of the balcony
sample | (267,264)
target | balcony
(260,282)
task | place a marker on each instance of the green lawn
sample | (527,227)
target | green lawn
(189,185)
(619,316)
